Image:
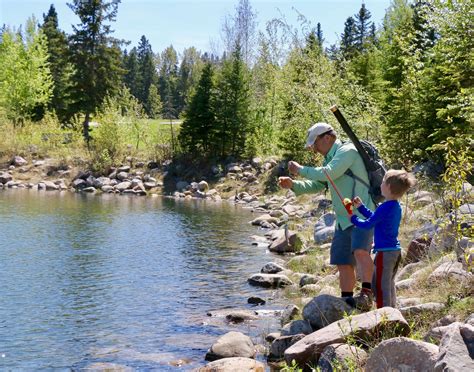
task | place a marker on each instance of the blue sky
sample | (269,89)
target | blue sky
(185,23)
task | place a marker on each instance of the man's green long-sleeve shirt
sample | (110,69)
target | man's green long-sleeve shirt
(340,158)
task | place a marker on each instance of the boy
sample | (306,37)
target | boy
(386,222)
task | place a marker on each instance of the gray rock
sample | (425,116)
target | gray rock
(240,316)
(456,350)
(363,326)
(50,186)
(324,228)
(289,313)
(308,279)
(271,268)
(123,186)
(203,186)
(430,307)
(122,176)
(124,168)
(90,189)
(279,345)
(18,161)
(236,364)
(292,242)
(269,280)
(402,354)
(5,177)
(272,336)
(405,284)
(407,270)
(325,309)
(232,344)
(451,270)
(297,327)
(336,357)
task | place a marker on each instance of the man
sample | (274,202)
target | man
(351,245)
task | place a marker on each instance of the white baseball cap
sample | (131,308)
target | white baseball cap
(316,130)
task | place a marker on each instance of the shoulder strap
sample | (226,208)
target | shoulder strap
(351,174)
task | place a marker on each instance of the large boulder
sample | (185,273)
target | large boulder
(402,354)
(236,364)
(5,177)
(269,280)
(341,357)
(381,322)
(271,268)
(290,242)
(232,344)
(280,344)
(417,250)
(325,309)
(456,350)
(449,270)
(295,327)
(324,228)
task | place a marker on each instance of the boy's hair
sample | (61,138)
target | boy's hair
(399,181)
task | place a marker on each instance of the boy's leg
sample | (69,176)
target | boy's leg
(386,264)
(394,273)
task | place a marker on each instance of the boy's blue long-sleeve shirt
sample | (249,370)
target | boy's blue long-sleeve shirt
(385,221)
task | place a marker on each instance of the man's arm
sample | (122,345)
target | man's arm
(338,165)
(307,186)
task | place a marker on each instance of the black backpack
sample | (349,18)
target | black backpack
(373,163)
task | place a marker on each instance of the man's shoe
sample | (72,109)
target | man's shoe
(364,300)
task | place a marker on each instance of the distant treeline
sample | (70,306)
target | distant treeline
(407,85)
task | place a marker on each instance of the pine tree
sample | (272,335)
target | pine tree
(95,55)
(167,82)
(362,28)
(188,76)
(147,72)
(319,35)
(61,68)
(232,106)
(132,73)
(197,131)
(349,39)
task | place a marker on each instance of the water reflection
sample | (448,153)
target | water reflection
(126,280)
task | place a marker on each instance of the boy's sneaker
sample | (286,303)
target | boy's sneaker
(362,301)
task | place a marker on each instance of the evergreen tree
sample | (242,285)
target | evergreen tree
(147,72)
(232,106)
(61,68)
(319,35)
(197,131)
(167,80)
(188,76)
(132,72)
(362,28)
(349,39)
(96,56)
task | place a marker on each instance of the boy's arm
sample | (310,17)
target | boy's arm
(370,222)
(366,212)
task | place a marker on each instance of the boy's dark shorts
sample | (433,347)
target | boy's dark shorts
(345,242)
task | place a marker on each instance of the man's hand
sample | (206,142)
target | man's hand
(294,167)
(357,202)
(285,182)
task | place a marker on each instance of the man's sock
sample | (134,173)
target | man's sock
(366,287)
(347,294)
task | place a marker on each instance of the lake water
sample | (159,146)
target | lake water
(90,279)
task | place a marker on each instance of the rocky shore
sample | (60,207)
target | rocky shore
(432,327)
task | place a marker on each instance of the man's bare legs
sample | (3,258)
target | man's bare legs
(347,277)
(365,265)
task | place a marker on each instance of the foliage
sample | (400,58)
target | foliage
(95,55)
(61,68)
(459,159)
(25,77)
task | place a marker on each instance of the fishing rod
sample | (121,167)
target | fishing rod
(346,202)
